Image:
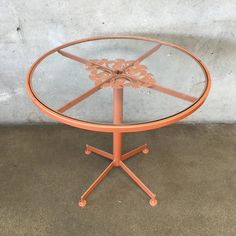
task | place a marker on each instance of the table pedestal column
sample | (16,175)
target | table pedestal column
(117,119)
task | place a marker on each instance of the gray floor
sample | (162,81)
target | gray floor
(192,168)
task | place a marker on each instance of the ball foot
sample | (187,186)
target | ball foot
(87,151)
(146,151)
(82,203)
(153,202)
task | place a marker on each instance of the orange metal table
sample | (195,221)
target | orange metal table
(48,87)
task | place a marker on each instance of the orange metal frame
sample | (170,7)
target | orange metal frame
(117,158)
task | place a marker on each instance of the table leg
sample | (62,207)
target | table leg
(143,148)
(153,200)
(82,202)
(89,149)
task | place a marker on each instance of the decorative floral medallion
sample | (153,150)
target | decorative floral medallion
(128,73)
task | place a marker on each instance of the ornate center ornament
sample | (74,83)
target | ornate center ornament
(128,73)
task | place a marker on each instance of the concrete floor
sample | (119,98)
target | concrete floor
(192,168)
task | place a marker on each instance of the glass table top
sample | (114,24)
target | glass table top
(158,81)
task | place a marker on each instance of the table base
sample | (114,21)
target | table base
(118,161)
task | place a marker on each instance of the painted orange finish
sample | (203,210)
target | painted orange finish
(117,128)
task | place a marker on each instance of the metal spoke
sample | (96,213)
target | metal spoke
(174,93)
(167,90)
(84,95)
(143,56)
(84,61)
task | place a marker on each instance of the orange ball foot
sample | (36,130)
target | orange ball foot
(87,151)
(146,151)
(82,203)
(153,202)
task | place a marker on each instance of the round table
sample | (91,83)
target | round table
(118,84)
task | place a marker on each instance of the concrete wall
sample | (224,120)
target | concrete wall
(28,28)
